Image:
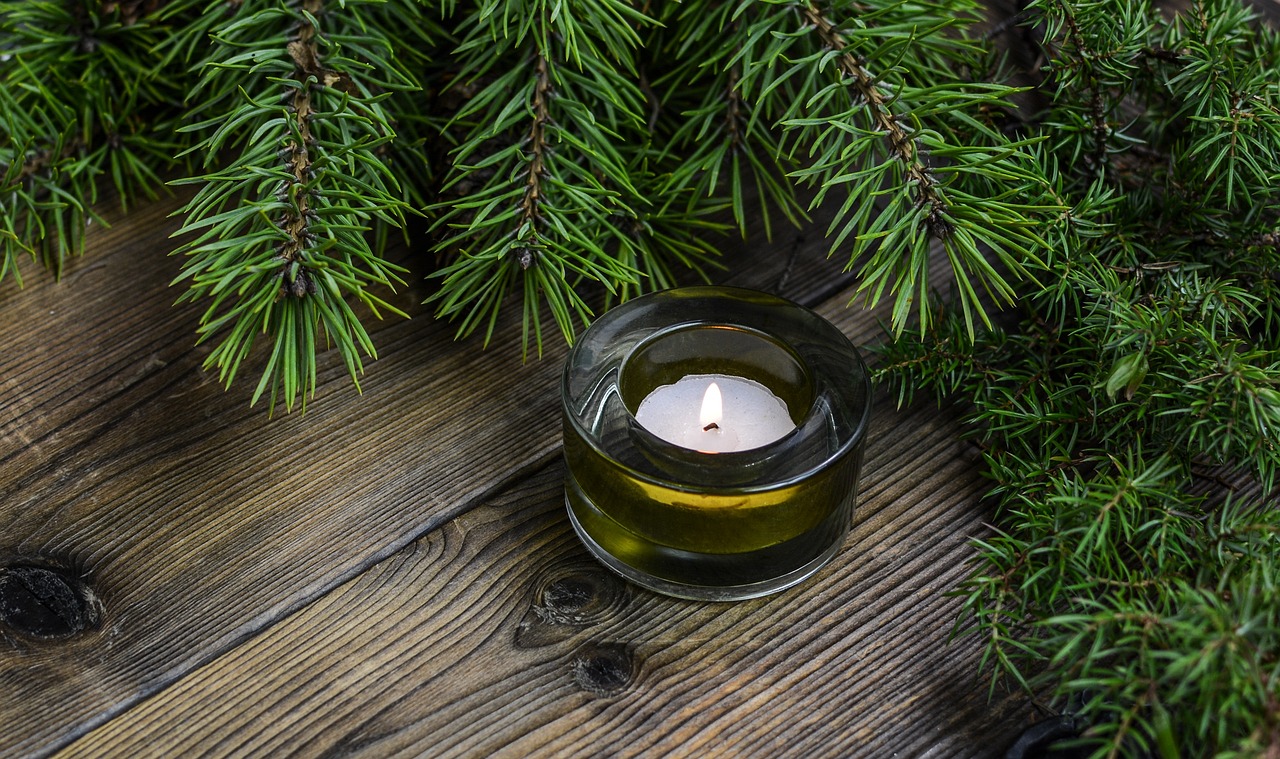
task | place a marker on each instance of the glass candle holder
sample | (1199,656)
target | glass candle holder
(746,495)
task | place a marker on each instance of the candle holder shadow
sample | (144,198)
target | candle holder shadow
(713,526)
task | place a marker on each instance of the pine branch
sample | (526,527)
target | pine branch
(715,143)
(64,130)
(913,150)
(902,145)
(550,183)
(47,193)
(280,237)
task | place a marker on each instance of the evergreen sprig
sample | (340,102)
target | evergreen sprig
(553,183)
(871,103)
(1126,575)
(543,141)
(915,150)
(296,135)
(81,100)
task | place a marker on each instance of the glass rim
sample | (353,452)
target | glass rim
(856,434)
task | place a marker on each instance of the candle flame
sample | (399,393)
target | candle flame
(712,407)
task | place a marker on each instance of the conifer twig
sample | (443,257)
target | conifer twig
(1097,112)
(902,144)
(294,221)
(531,202)
(310,178)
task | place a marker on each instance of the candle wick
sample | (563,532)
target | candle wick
(712,426)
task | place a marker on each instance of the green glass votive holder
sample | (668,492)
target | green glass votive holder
(713,439)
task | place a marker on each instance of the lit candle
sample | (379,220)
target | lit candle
(715,413)
(713,439)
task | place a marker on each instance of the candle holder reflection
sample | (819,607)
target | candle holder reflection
(713,525)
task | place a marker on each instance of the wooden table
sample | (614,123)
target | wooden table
(394,572)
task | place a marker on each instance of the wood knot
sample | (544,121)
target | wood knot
(569,597)
(46,602)
(604,669)
(578,594)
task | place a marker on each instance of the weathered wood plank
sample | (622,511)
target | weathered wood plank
(195,521)
(498,635)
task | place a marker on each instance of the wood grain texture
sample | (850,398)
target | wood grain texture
(196,522)
(497,635)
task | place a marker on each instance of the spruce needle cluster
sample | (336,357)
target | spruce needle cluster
(563,156)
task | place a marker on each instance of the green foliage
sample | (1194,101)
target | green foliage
(1123,193)
(279,232)
(561,152)
(1126,573)
(553,143)
(81,100)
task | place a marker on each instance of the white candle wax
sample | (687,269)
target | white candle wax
(685,413)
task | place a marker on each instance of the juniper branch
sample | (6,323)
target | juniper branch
(1149,354)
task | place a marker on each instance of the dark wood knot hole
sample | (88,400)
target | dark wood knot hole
(46,602)
(578,596)
(604,669)
(568,597)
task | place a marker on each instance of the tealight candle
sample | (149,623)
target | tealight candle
(715,413)
(713,439)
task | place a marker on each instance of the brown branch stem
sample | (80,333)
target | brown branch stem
(131,11)
(902,144)
(1101,129)
(40,160)
(530,204)
(734,112)
(297,155)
